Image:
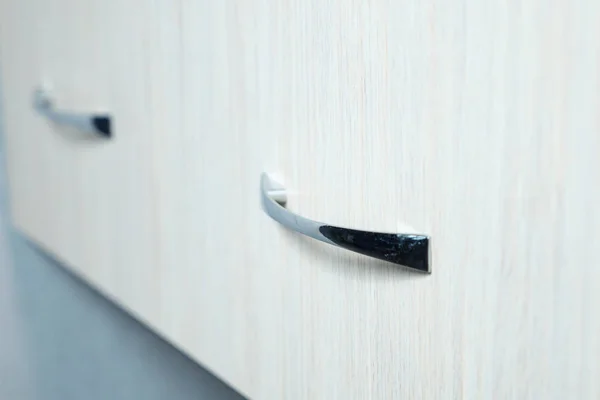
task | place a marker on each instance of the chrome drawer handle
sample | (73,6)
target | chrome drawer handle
(409,250)
(99,124)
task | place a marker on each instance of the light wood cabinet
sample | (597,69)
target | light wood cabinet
(474,122)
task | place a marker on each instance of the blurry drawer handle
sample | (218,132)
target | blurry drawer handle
(99,124)
(409,250)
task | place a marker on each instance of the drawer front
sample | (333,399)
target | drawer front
(43,44)
(475,124)
(377,117)
(85,199)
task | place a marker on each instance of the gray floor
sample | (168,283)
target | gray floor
(60,340)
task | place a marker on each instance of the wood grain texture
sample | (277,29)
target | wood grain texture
(473,121)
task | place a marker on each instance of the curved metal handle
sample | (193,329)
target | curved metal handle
(409,250)
(99,124)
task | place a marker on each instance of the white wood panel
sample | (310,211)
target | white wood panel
(40,44)
(475,122)
(86,201)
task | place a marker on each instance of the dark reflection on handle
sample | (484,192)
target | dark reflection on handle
(408,250)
